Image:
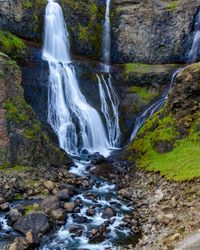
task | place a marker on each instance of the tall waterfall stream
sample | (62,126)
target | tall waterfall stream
(82,131)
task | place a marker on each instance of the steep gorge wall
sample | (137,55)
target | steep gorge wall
(148,31)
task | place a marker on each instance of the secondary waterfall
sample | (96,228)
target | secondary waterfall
(147,113)
(194,52)
(108,95)
(77,124)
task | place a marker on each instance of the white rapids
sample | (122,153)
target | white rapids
(77,124)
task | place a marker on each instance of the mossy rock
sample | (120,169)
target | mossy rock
(169,142)
(12,45)
(24,143)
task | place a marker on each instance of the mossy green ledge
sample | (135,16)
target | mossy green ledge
(169,142)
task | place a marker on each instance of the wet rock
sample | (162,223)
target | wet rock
(108,213)
(32,238)
(5,207)
(13,216)
(50,185)
(97,159)
(91,196)
(58,214)
(96,236)
(75,230)
(79,219)
(50,202)
(37,222)
(85,183)
(19,244)
(90,211)
(69,206)
(64,194)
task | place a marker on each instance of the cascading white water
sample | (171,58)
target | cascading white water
(106,36)
(194,52)
(109,107)
(76,123)
(147,113)
(108,96)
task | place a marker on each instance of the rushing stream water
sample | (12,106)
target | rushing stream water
(80,129)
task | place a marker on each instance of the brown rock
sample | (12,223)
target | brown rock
(32,238)
(50,185)
(69,206)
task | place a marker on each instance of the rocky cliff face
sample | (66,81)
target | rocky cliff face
(152,31)
(22,141)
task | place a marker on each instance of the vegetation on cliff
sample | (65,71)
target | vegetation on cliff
(169,143)
(11,44)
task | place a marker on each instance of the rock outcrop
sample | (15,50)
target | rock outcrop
(22,141)
(152,31)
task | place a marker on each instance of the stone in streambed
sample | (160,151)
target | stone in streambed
(50,202)
(79,219)
(13,216)
(90,211)
(37,222)
(76,230)
(58,214)
(108,213)
(69,206)
(32,238)
(19,244)
(5,207)
(64,194)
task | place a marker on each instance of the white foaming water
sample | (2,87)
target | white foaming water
(76,123)
(147,113)
(193,54)
(109,107)
(106,35)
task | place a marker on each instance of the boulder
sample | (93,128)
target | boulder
(58,214)
(108,213)
(50,202)
(19,244)
(69,206)
(64,194)
(37,222)
(50,185)
(32,238)
(13,216)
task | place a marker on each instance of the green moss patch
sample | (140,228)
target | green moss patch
(180,159)
(10,44)
(145,93)
(172,4)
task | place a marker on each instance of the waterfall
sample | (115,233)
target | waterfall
(147,113)
(194,52)
(77,124)
(109,107)
(108,95)
(106,36)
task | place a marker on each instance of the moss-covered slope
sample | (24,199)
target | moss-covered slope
(169,143)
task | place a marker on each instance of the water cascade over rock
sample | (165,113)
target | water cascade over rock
(194,52)
(77,124)
(108,96)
